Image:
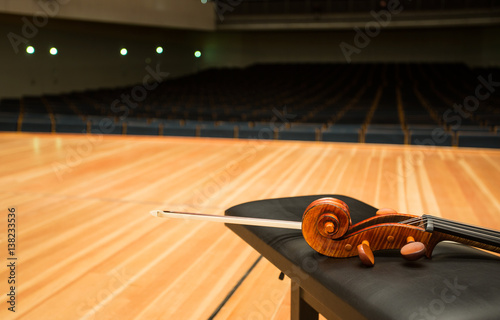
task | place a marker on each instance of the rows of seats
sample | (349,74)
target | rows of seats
(419,104)
(468,136)
(9,114)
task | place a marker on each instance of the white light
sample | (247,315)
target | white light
(53,51)
(123,52)
(30,49)
(159,50)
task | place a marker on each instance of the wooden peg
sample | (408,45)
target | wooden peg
(366,254)
(413,250)
(386,211)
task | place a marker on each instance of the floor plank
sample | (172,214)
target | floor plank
(88,249)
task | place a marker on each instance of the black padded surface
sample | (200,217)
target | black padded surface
(459,282)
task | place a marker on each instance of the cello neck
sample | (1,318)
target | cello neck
(470,235)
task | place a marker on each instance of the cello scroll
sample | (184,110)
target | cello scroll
(414,236)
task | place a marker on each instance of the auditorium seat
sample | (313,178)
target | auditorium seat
(175,128)
(386,134)
(491,119)
(70,124)
(471,128)
(477,139)
(300,132)
(223,130)
(142,127)
(386,111)
(422,127)
(259,131)
(342,133)
(35,122)
(8,121)
(432,136)
(34,105)
(105,125)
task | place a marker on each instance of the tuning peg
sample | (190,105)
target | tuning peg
(366,254)
(413,250)
(386,211)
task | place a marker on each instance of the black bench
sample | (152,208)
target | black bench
(459,282)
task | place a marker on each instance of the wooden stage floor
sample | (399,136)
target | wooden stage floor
(87,247)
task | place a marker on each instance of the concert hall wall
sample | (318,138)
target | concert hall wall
(89,56)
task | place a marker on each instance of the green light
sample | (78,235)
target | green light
(30,49)
(53,51)
(159,50)
(203,1)
(123,52)
(197,54)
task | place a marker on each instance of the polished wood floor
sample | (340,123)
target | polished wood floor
(88,249)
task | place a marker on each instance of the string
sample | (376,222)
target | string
(414,221)
(448,223)
(458,228)
(485,231)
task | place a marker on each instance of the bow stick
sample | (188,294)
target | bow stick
(229,219)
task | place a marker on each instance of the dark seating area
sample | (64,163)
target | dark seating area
(421,104)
